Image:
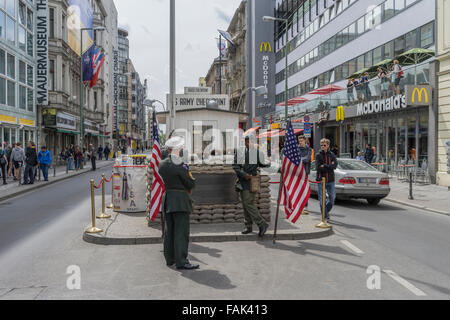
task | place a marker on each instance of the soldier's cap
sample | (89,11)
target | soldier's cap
(175,143)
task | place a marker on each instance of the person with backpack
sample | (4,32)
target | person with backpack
(398,75)
(45,160)
(31,161)
(18,158)
(306,154)
(3,164)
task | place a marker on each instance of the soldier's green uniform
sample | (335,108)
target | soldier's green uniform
(177,206)
(243,167)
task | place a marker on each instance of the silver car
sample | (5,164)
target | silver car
(357,180)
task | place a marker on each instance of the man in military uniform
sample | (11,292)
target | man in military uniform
(177,205)
(246,164)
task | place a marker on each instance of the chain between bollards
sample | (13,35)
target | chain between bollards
(93,229)
(103,214)
(323,224)
(111,205)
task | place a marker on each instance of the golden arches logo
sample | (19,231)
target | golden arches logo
(419,92)
(340,113)
(265,46)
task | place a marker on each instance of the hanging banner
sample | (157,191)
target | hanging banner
(42,51)
(80,16)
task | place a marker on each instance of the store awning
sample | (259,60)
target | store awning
(68,131)
(326,90)
(293,102)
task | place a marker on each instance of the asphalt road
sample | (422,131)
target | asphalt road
(41,242)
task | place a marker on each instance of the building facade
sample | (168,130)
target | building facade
(17,71)
(216,76)
(329,42)
(123,104)
(443,41)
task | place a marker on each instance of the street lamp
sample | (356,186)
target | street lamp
(286,21)
(259,91)
(81,83)
(150,103)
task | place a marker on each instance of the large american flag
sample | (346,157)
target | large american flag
(295,190)
(158,184)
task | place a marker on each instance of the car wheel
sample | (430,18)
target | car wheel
(374,201)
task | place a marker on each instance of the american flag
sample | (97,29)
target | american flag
(158,184)
(295,190)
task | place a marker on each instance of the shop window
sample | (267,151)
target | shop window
(388,9)
(423,142)
(426,35)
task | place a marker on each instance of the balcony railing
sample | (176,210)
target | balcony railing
(374,90)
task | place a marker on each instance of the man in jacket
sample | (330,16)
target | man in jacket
(306,154)
(18,158)
(246,164)
(177,205)
(31,162)
(369,154)
(326,163)
(45,160)
(92,156)
(100,153)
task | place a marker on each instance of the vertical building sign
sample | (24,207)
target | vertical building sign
(42,51)
(116,93)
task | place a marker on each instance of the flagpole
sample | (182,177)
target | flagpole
(278,207)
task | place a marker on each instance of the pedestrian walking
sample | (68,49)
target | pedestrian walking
(369,155)
(326,163)
(8,150)
(177,205)
(31,162)
(92,156)
(78,158)
(70,156)
(18,158)
(306,154)
(107,151)
(3,164)
(100,153)
(246,164)
(45,160)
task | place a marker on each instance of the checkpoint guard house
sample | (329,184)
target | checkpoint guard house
(194,115)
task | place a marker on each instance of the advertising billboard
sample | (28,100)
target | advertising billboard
(80,15)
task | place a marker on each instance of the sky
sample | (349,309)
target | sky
(197,22)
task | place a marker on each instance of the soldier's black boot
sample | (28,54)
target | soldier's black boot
(247,231)
(263,230)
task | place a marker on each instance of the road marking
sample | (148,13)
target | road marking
(405,283)
(352,247)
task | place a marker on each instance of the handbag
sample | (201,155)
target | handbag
(255,184)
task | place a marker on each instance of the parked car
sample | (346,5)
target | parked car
(357,180)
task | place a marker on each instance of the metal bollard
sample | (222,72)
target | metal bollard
(93,229)
(411,186)
(67,166)
(323,224)
(103,214)
(54,169)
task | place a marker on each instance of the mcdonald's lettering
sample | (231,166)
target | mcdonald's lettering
(340,114)
(419,92)
(266,47)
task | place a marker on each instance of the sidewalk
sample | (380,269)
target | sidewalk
(427,197)
(13,189)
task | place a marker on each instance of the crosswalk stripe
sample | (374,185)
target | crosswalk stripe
(352,247)
(405,283)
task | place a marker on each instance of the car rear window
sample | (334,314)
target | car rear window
(355,165)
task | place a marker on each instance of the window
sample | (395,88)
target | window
(388,9)
(332,76)
(30,48)
(399,46)
(2,24)
(22,14)
(11,7)
(30,75)
(351,67)
(30,20)
(2,91)
(411,40)
(11,66)
(51,78)
(10,31)
(368,59)
(361,25)
(377,55)
(11,94)
(352,31)
(321,21)
(326,16)
(339,6)
(64,23)
(389,50)
(22,39)
(332,12)
(22,97)
(2,61)
(345,73)
(399,5)
(30,100)
(339,40)
(369,20)
(22,71)
(52,22)
(377,16)
(426,35)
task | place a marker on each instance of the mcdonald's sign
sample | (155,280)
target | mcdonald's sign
(418,95)
(340,114)
(265,47)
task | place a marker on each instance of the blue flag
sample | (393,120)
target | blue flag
(88,66)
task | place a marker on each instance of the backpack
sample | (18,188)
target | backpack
(401,74)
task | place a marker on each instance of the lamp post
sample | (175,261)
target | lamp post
(286,21)
(81,83)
